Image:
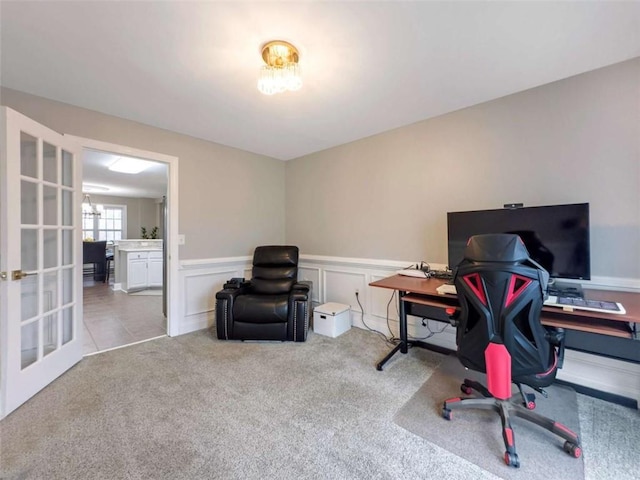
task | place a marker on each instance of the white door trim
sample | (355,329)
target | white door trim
(173,314)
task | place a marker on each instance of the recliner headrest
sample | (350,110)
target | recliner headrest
(275,255)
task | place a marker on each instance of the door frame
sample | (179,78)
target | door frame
(173,317)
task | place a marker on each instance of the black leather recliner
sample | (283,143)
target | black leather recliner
(499,332)
(273,305)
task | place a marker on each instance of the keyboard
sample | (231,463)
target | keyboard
(570,303)
(413,272)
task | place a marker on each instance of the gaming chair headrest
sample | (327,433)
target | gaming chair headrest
(496,247)
(503,248)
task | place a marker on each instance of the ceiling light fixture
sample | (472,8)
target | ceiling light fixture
(129,165)
(281,72)
(88,209)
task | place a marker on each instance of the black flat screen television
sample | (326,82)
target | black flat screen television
(556,236)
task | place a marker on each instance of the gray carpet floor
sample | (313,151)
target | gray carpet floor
(193,407)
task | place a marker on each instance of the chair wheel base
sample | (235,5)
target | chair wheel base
(511,459)
(530,402)
(572,449)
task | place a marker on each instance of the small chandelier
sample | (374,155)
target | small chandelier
(281,72)
(88,209)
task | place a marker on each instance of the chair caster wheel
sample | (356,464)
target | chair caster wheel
(466,389)
(511,459)
(572,449)
(447,414)
(531,401)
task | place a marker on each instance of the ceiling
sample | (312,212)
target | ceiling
(96,177)
(368,67)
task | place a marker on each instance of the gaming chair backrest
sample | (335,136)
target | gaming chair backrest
(501,291)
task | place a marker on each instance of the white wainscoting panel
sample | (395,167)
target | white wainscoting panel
(602,373)
(312,274)
(336,279)
(200,280)
(340,286)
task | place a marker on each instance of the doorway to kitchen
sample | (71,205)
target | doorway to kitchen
(136,214)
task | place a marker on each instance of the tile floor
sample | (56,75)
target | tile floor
(113,319)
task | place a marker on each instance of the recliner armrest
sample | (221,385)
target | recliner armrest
(233,291)
(301,290)
(304,285)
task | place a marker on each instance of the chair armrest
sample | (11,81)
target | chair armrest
(301,290)
(304,285)
(300,309)
(231,291)
(225,300)
(453,314)
(555,336)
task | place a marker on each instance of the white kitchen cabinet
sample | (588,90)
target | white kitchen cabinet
(141,269)
(154,269)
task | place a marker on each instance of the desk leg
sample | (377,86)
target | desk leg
(403,346)
(389,355)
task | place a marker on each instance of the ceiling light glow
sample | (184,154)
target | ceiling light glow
(129,165)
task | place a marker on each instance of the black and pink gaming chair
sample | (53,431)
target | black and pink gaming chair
(501,292)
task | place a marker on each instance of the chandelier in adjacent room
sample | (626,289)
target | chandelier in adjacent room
(281,72)
(88,209)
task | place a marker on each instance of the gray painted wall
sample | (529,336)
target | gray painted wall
(386,196)
(230,200)
(572,141)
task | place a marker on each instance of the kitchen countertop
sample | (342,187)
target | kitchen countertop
(140,249)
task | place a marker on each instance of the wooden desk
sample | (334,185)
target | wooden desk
(418,296)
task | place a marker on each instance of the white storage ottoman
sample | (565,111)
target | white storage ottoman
(331,319)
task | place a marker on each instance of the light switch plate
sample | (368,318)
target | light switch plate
(181,239)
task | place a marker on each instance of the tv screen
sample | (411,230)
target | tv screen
(556,236)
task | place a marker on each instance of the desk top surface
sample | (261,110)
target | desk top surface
(428,286)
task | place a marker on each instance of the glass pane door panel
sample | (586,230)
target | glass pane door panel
(67,285)
(29,247)
(49,334)
(49,163)
(67,208)
(50,248)
(67,325)
(50,205)
(29,344)
(67,247)
(67,169)
(28,155)
(50,291)
(28,203)
(29,297)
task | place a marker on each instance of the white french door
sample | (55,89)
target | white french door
(40,258)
